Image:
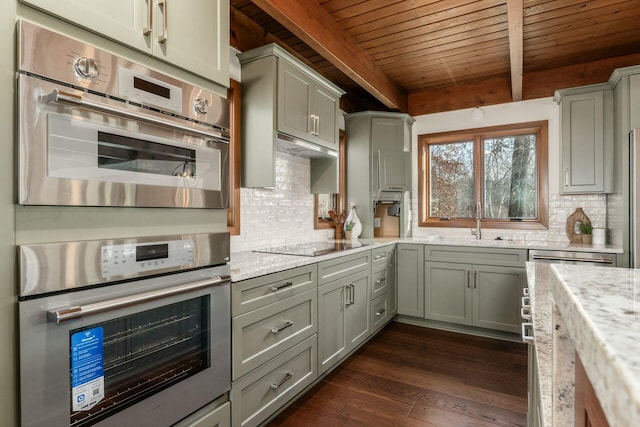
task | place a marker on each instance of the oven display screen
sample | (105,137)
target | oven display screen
(150,252)
(150,87)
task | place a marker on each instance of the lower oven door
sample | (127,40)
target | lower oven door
(113,357)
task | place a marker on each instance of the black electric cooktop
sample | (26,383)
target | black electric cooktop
(312,248)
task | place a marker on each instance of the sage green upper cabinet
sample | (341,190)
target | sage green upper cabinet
(287,106)
(306,108)
(193,37)
(378,147)
(586,115)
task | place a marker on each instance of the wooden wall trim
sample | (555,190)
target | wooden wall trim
(233,211)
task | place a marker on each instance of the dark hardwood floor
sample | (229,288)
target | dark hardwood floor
(413,376)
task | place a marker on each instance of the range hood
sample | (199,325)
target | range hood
(297,147)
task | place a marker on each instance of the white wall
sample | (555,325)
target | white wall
(516,112)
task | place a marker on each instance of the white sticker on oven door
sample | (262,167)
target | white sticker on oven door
(87,369)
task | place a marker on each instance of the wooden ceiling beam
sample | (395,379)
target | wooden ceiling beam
(514,20)
(313,25)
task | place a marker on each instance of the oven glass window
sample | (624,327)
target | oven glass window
(138,155)
(136,356)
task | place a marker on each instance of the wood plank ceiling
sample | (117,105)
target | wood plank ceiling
(424,56)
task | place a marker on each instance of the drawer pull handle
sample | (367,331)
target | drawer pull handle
(525,292)
(527,333)
(287,377)
(381,312)
(287,324)
(280,287)
(526,302)
(380,281)
(379,257)
(525,313)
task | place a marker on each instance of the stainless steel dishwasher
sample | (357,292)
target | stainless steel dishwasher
(573,257)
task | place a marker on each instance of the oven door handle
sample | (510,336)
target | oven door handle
(58,96)
(76,312)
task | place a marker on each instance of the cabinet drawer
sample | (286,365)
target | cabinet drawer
(379,257)
(337,268)
(260,393)
(379,284)
(380,313)
(260,335)
(507,257)
(209,416)
(252,294)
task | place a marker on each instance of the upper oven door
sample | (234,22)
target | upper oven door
(77,148)
(148,352)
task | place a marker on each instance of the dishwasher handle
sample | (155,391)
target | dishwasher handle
(561,259)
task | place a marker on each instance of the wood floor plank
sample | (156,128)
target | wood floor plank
(413,376)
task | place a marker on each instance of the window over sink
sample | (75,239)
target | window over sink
(504,168)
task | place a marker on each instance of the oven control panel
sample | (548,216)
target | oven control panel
(127,259)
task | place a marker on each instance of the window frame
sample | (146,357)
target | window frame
(341,199)
(540,128)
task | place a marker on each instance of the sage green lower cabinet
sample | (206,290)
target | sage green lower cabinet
(260,335)
(391,280)
(343,321)
(496,297)
(448,292)
(485,296)
(470,287)
(410,281)
(260,393)
(212,415)
(380,312)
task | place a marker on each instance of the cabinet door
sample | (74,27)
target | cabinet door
(326,108)
(410,280)
(583,143)
(394,169)
(496,297)
(387,134)
(448,292)
(358,326)
(121,20)
(332,341)
(197,36)
(294,101)
(391,280)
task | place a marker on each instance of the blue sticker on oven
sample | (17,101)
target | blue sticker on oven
(87,369)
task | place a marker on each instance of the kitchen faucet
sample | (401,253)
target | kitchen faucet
(478,231)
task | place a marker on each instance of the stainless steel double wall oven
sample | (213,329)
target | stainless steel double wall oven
(131,331)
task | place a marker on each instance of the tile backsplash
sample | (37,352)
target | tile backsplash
(284,214)
(560,207)
(280,215)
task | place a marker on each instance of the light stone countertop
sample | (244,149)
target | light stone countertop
(600,308)
(248,264)
(538,278)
